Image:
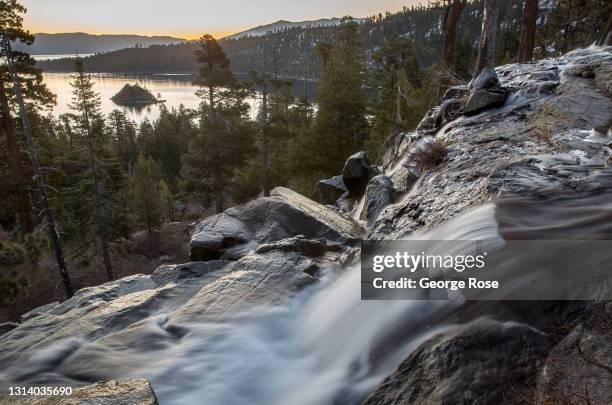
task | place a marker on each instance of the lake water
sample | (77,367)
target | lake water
(175,89)
(60,56)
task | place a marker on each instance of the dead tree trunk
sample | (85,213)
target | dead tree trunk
(42,187)
(14,155)
(452,13)
(486,49)
(528,28)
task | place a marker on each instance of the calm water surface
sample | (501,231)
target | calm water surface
(174,88)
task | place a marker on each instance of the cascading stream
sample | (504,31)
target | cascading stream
(326,346)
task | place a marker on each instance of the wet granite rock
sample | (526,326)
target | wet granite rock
(477,363)
(536,141)
(175,272)
(239,230)
(328,191)
(579,368)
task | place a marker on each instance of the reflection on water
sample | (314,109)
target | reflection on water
(176,89)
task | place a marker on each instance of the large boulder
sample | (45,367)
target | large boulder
(481,362)
(328,191)
(483,99)
(240,230)
(379,194)
(356,174)
(91,313)
(134,391)
(485,92)
(264,278)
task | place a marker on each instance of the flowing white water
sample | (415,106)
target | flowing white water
(326,347)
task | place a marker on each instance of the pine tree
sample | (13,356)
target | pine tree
(165,202)
(146,195)
(225,137)
(123,133)
(6,36)
(340,126)
(35,94)
(400,94)
(86,106)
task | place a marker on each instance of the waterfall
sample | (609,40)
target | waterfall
(327,346)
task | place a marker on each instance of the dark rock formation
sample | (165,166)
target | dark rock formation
(478,363)
(239,230)
(356,174)
(328,191)
(485,92)
(482,99)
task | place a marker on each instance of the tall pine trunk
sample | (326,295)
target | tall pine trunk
(451,19)
(528,28)
(486,49)
(14,155)
(98,206)
(218,182)
(42,187)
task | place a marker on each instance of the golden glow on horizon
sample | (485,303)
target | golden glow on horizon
(186,34)
(191,19)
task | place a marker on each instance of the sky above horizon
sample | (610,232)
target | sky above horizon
(188,18)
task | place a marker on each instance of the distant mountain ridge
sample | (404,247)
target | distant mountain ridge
(83,43)
(280,25)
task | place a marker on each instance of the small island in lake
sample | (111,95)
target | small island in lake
(131,95)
